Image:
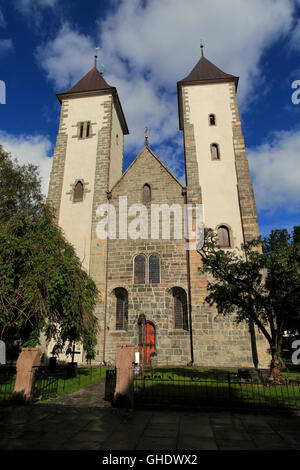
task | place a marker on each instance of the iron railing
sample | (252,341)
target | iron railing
(224,390)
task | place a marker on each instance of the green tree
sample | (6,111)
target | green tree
(20,189)
(43,288)
(259,284)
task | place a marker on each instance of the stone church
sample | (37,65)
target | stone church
(151,290)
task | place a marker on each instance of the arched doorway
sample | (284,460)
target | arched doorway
(146,340)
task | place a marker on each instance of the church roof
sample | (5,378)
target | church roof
(145,150)
(203,72)
(93,82)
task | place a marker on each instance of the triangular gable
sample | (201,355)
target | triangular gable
(146,148)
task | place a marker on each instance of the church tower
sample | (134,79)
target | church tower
(217,176)
(87,162)
(88,158)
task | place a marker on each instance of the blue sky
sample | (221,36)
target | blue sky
(146,47)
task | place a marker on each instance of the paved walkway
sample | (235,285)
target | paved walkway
(83,421)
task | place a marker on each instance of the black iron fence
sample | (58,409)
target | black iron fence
(225,390)
(7,382)
(45,384)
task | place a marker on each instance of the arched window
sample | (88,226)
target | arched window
(214,150)
(78,192)
(146,193)
(121,308)
(154,274)
(139,269)
(180,308)
(224,236)
(212,120)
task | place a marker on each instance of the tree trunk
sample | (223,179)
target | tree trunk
(276,363)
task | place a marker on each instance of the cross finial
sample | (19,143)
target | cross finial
(96,56)
(201,47)
(146,137)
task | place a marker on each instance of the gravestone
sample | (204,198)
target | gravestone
(27,361)
(125,358)
(2,353)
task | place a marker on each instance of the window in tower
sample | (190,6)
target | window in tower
(139,269)
(224,236)
(78,192)
(121,297)
(154,271)
(88,125)
(212,120)
(84,129)
(215,153)
(117,139)
(146,193)
(81,129)
(180,308)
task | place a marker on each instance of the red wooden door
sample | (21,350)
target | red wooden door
(149,343)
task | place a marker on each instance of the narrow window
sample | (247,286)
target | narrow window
(117,139)
(180,308)
(154,274)
(88,129)
(212,120)
(78,192)
(139,269)
(224,236)
(81,130)
(121,308)
(215,154)
(146,193)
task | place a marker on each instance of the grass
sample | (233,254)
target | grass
(66,385)
(212,387)
(61,384)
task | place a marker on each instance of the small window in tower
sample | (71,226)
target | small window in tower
(146,194)
(88,125)
(78,192)
(117,139)
(154,275)
(180,308)
(139,269)
(212,120)
(215,153)
(121,296)
(224,236)
(81,129)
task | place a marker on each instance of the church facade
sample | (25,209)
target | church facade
(151,292)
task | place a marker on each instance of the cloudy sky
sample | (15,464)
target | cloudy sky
(146,46)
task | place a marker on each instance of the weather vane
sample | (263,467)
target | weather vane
(146,137)
(201,46)
(96,56)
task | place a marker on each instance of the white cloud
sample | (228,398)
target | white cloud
(2,20)
(32,10)
(6,45)
(146,50)
(30,149)
(275,167)
(67,58)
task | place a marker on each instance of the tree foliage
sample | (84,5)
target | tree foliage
(260,283)
(20,189)
(43,288)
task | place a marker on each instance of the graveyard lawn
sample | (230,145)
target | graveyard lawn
(202,387)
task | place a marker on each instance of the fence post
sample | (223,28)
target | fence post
(229,386)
